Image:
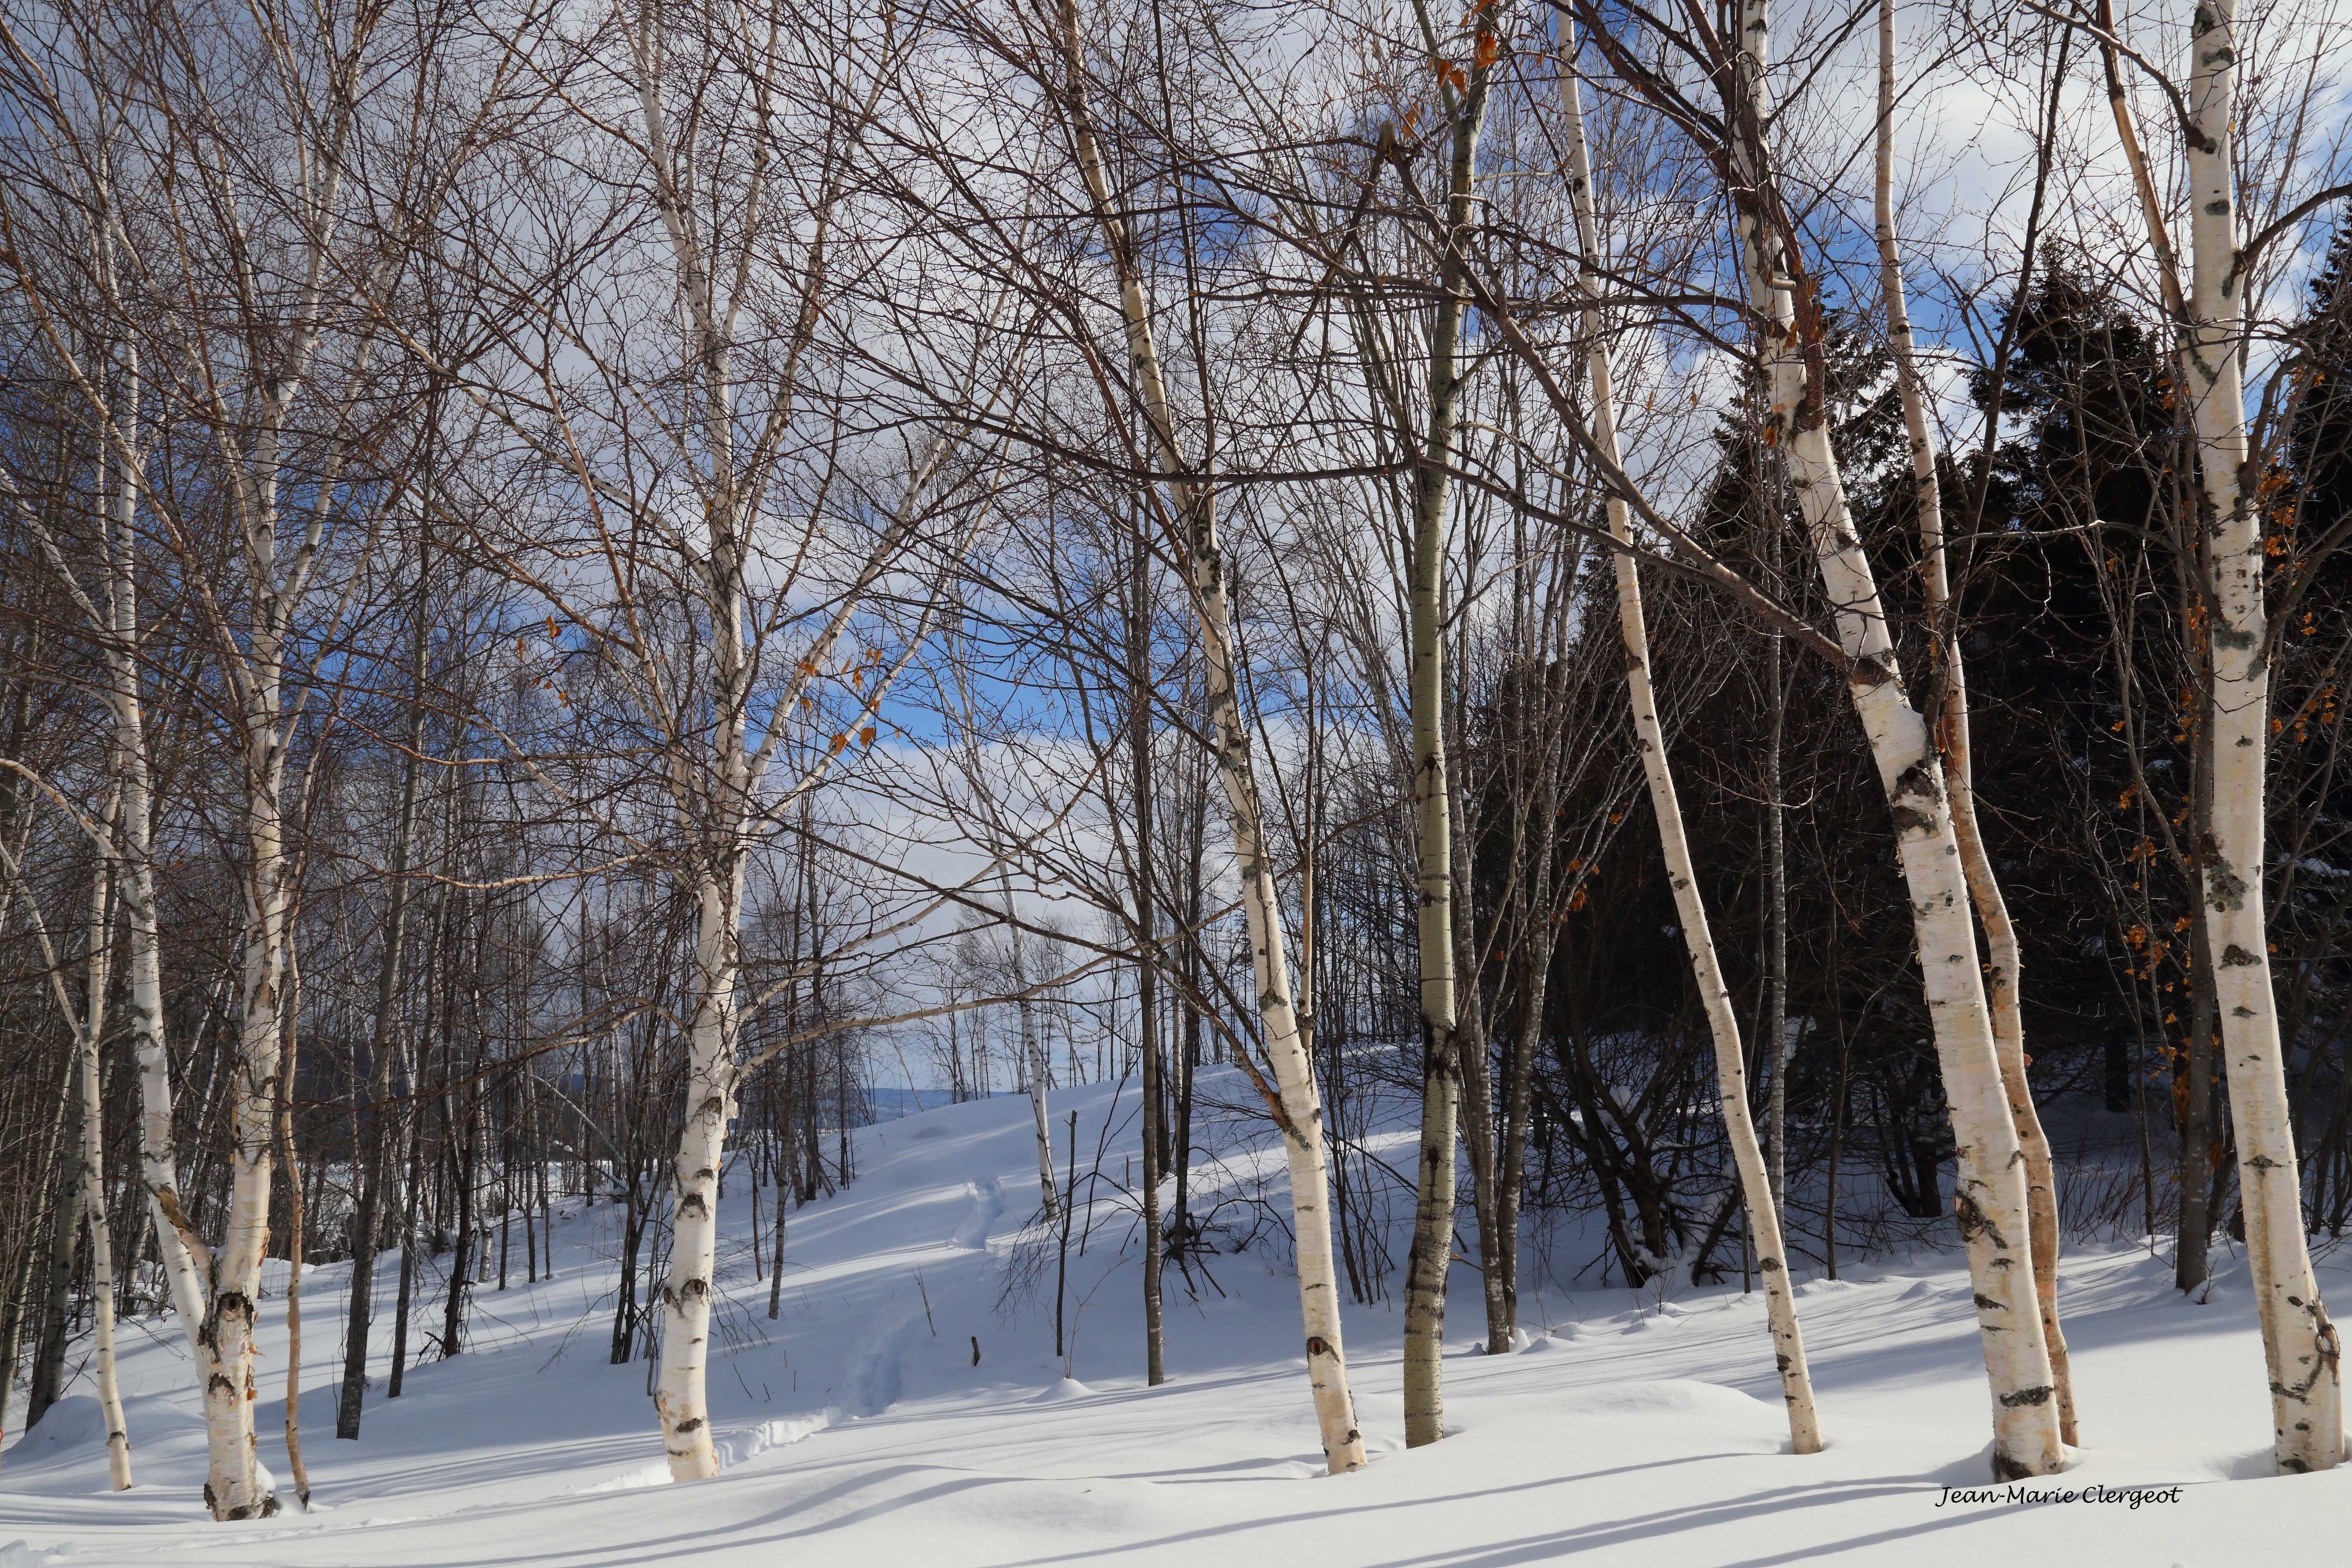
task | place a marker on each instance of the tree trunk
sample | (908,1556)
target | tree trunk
(1991,1201)
(50,1345)
(1299,1104)
(294,1247)
(1649,740)
(2300,1341)
(1510,1185)
(18,1307)
(1444,1062)
(404,1293)
(1034,1068)
(694,1223)
(91,1189)
(2191,1261)
(133,836)
(2004,963)
(233,1488)
(1147,969)
(365,1219)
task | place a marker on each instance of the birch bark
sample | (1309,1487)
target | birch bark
(2004,961)
(2299,1340)
(1650,740)
(91,1186)
(716,773)
(1033,1065)
(712,781)
(1300,1104)
(134,838)
(679,1394)
(1991,1199)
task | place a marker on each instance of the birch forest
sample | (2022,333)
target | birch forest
(1506,653)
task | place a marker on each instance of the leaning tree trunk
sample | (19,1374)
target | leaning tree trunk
(1990,1200)
(56,1287)
(135,833)
(1302,1112)
(2300,1343)
(2002,949)
(1300,1109)
(1650,740)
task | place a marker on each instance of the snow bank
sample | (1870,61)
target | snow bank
(907,1405)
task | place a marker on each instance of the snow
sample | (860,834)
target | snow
(856,1429)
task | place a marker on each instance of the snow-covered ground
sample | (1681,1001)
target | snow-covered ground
(858,1430)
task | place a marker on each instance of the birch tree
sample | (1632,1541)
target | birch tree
(1433,807)
(1195,524)
(85,1021)
(1755,1185)
(717,771)
(2300,1348)
(273,422)
(1991,1199)
(732,620)
(100,355)
(1949,679)
(2299,1341)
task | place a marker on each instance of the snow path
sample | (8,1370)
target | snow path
(856,1429)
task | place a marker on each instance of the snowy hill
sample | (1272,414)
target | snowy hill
(857,1429)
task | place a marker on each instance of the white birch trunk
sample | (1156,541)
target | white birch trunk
(91,1187)
(158,1171)
(715,784)
(712,791)
(233,1488)
(112,613)
(1302,1110)
(1989,1199)
(1318,1287)
(233,1484)
(693,1223)
(101,1253)
(134,841)
(1650,740)
(1037,1114)
(2299,1341)
(2002,952)
(1032,1058)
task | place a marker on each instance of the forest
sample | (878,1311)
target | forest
(1679,645)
